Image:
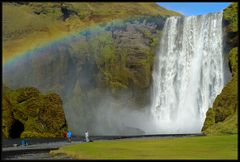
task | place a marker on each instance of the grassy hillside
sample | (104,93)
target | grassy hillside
(40,22)
(116,55)
(222,117)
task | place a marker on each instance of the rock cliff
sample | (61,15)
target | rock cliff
(222,118)
(105,53)
(26,112)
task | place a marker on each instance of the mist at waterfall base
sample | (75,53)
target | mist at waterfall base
(189,72)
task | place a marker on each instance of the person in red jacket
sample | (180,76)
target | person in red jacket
(65,135)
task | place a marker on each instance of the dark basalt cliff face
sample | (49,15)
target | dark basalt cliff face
(26,112)
(222,118)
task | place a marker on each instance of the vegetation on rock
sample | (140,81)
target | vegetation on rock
(41,115)
(231,18)
(106,48)
(222,117)
(38,22)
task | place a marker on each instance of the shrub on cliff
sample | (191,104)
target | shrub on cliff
(222,117)
(41,115)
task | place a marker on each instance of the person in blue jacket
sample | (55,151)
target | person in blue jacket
(69,136)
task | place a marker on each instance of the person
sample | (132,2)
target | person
(86,136)
(22,143)
(65,135)
(69,135)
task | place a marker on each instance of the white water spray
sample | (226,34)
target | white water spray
(188,73)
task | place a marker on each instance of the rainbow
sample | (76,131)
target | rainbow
(67,37)
(35,50)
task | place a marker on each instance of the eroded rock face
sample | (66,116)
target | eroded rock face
(111,60)
(28,113)
(107,51)
(222,117)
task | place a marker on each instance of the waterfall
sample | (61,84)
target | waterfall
(188,72)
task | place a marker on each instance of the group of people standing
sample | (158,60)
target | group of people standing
(68,135)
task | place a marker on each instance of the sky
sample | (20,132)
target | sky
(194,8)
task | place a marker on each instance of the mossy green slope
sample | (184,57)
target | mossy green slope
(120,53)
(38,22)
(222,117)
(114,54)
(41,115)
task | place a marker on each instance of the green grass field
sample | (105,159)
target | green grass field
(203,147)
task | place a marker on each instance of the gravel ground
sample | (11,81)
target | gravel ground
(50,145)
(35,151)
(36,156)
